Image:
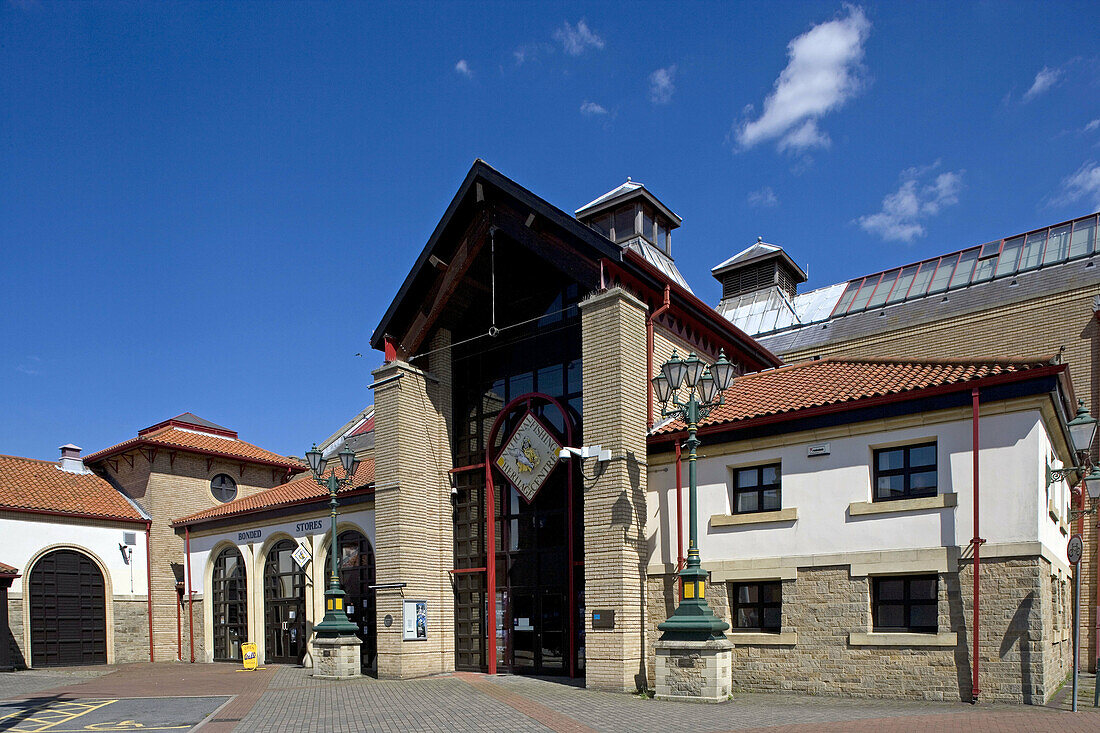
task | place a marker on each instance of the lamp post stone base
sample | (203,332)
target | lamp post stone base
(336,658)
(694,671)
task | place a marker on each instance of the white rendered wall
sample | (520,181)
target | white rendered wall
(253,541)
(1012,484)
(25,538)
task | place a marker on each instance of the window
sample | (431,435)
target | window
(905,604)
(757,606)
(907,472)
(756,489)
(223,487)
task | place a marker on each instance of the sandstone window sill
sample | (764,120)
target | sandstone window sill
(790,514)
(785,638)
(939,501)
(886,639)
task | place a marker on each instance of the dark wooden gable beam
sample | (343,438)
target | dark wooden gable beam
(446,283)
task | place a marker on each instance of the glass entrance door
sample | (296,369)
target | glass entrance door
(284,606)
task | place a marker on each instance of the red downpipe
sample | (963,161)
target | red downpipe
(179,625)
(149,584)
(649,362)
(977,544)
(190,600)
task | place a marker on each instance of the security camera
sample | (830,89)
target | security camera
(588,451)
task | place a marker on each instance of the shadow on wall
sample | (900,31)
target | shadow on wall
(14,660)
(957,611)
(1018,633)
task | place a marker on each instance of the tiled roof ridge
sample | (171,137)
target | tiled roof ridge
(24,458)
(256,502)
(158,438)
(906,361)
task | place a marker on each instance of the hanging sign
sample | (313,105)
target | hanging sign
(529,456)
(301,555)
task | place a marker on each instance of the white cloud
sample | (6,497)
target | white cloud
(764,197)
(1044,80)
(904,211)
(576,40)
(591,108)
(462,67)
(1095,124)
(1082,185)
(823,73)
(661,85)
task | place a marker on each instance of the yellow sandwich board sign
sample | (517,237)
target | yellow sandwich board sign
(248,653)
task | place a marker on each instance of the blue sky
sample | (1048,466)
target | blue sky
(207,207)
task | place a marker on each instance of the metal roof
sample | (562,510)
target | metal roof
(658,259)
(755,252)
(628,190)
(1002,260)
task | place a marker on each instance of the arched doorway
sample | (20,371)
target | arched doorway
(229,605)
(284,606)
(356,578)
(68,610)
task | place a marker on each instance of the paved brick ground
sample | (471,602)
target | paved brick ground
(288,699)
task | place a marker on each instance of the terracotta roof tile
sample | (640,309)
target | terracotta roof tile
(30,485)
(300,490)
(6,569)
(840,380)
(174,436)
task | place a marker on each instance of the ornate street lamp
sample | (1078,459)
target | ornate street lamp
(703,387)
(336,622)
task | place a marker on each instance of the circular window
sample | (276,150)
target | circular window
(223,487)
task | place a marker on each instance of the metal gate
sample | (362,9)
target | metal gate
(68,611)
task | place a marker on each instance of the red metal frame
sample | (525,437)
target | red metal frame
(490,534)
(190,602)
(149,584)
(976,542)
(649,357)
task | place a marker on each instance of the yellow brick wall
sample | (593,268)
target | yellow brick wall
(613,345)
(413,513)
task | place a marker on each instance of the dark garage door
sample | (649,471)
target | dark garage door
(68,611)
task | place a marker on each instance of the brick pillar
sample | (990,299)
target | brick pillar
(413,512)
(613,336)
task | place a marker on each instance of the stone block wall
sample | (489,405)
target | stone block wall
(613,347)
(1021,659)
(15,639)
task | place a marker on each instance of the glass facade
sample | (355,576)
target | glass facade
(1040,248)
(531,553)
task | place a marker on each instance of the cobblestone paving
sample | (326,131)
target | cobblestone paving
(466,702)
(27,682)
(288,699)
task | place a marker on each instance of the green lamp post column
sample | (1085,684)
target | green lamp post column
(693,619)
(335,622)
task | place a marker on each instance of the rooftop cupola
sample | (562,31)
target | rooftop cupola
(631,216)
(759,267)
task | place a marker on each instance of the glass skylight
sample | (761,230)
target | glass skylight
(1000,258)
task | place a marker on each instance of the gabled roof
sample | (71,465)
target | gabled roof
(756,252)
(355,433)
(207,439)
(843,381)
(7,571)
(591,247)
(301,490)
(630,189)
(41,487)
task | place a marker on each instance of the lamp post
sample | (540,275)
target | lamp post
(1082,431)
(703,386)
(336,621)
